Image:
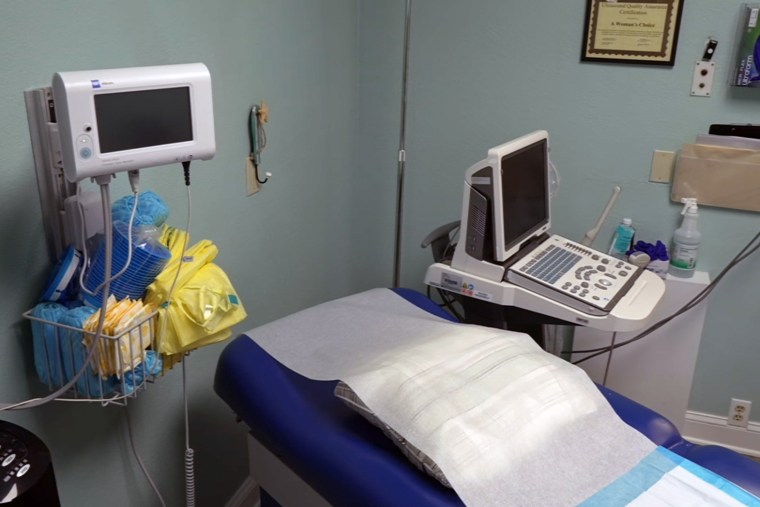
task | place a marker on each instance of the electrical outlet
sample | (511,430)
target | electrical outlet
(701,83)
(738,413)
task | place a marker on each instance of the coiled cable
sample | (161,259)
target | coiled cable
(189,452)
(189,477)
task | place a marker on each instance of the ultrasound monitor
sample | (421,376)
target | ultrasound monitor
(505,218)
(521,198)
(505,204)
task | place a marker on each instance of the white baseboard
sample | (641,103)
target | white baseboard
(702,428)
(247,495)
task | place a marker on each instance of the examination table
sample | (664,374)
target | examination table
(309,434)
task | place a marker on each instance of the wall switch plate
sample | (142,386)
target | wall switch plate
(738,413)
(250,174)
(701,83)
(663,163)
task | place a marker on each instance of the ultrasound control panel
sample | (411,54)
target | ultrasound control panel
(575,275)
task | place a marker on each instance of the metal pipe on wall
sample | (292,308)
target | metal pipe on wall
(402,149)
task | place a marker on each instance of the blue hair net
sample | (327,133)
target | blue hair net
(151,209)
(133,379)
(47,350)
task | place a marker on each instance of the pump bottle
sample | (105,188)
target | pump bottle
(622,241)
(686,240)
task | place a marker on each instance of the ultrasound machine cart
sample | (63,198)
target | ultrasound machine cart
(508,272)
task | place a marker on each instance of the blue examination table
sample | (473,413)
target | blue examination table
(344,461)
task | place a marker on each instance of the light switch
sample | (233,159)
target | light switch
(663,163)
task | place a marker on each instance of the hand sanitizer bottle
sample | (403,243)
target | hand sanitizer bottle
(622,241)
(686,240)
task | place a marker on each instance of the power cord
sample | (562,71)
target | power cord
(139,459)
(186,170)
(609,359)
(189,452)
(103,181)
(743,254)
(447,299)
(134,181)
(447,302)
(189,463)
(189,456)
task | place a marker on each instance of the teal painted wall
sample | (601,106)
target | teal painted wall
(481,73)
(288,247)
(488,71)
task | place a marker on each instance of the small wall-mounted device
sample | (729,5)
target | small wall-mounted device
(702,81)
(117,120)
(704,71)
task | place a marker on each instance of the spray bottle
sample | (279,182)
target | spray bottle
(686,239)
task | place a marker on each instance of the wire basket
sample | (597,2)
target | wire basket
(121,366)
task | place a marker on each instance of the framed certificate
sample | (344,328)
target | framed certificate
(632,32)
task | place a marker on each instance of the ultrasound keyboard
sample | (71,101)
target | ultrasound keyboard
(575,275)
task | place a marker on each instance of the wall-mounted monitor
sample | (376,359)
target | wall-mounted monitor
(115,120)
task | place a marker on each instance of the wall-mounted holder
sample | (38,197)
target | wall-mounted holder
(257,117)
(60,353)
(718,176)
(53,187)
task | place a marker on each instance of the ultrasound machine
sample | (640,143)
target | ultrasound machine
(509,272)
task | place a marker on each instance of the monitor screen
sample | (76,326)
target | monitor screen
(505,205)
(524,192)
(138,119)
(115,120)
(520,192)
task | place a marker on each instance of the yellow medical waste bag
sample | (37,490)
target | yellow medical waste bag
(202,312)
(195,258)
